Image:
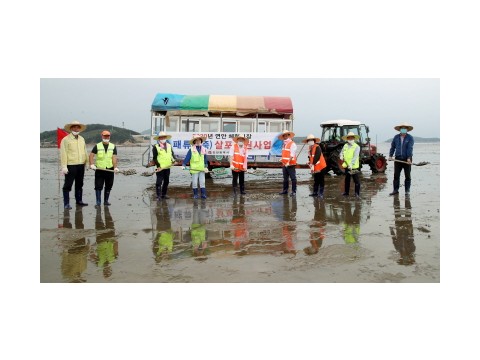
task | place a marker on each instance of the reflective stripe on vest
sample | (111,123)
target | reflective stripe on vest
(197,161)
(286,154)
(321,163)
(238,160)
(348,152)
(104,160)
(164,157)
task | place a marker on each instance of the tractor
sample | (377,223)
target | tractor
(331,143)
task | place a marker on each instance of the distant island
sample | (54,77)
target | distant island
(418,139)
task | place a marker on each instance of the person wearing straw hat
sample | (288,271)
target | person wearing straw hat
(316,162)
(73,159)
(238,163)
(105,154)
(289,161)
(402,148)
(164,158)
(197,158)
(350,155)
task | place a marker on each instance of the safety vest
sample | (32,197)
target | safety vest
(164,158)
(238,160)
(348,152)
(286,154)
(197,161)
(320,164)
(104,159)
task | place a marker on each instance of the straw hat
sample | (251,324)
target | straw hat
(75,122)
(192,141)
(162,134)
(404,124)
(286,134)
(311,137)
(350,134)
(245,140)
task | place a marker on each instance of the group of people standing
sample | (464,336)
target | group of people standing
(103,160)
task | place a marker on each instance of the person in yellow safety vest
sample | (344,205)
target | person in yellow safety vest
(289,162)
(197,158)
(163,243)
(317,163)
(106,159)
(106,244)
(164,158)
(350,155)
(351,225)
(238,163)
(73,159)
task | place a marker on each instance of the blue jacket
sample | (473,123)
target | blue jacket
(402,152)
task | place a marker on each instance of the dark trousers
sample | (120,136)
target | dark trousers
(396,175)
(238,176)
(163,179)
(356,180)
(75,173)
(318,181)
(103,177)
(289,172)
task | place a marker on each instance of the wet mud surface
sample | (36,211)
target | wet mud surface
(258,237)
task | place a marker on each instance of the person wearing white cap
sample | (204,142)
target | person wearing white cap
(105,154)
(164,158)
(351,162)
(402,148)
(316,162)
(73,159)
(197,158)
(289,162)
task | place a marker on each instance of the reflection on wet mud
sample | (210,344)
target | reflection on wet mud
(351,225)
(317,227)
(75,252)
(163,242)
(402,234)
(198,232)
(239,222)
(105,250)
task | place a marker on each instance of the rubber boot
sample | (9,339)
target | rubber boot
(98,195)
(204,193)
(407,186)
(294,188)
(235,189)
(285,188)
(66,200)
(320,192)
(78,198)
(195,193)
(357,191)
(396,185)
(242,190)
(315,192)
(105,198)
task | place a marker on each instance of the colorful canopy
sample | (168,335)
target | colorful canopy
(241,105)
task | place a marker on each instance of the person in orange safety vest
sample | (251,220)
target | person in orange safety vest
(317,164)
(289,162)
(238,163)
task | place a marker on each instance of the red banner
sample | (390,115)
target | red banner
(60,135)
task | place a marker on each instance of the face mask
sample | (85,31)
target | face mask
(163,141)
(240,143)
(403,131)
(287,140)
(75,133)
(106,141)
(351,142)
(311,142)
(198,143)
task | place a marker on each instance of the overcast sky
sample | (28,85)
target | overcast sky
(380,103)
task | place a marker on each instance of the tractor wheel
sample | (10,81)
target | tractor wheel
(378,163)
(335,162)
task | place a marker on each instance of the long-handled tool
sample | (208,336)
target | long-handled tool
(416,164)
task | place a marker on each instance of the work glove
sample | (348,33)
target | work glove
(390,158)
(232,167)
(409,161)
(350,168)
(183,167)
(116,170)
(205,170)
(344,165)
(64,171)
(93,167)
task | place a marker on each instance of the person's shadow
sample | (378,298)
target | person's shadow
(106,249)
(317,227)
(163,243)
(75,252)
(402,234)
